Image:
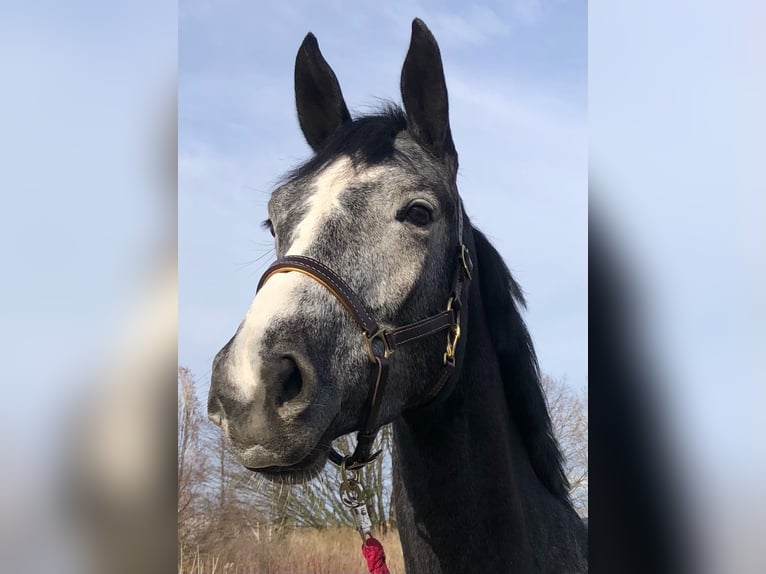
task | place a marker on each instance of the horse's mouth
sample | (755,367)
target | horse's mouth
(300,472)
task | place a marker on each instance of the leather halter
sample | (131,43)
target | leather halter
(381,342)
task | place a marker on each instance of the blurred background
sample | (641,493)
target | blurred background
(88,312)
(89,321)
(676,284)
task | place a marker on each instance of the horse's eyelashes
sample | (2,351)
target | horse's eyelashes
(266,224)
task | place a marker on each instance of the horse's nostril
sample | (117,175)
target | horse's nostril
(290,381)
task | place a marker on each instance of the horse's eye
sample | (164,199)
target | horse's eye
(268,225)
(419,215)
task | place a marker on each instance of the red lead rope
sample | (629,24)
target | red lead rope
(376,558)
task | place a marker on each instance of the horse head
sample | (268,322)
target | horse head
(378,205)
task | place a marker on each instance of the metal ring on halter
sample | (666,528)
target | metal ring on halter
(379,335)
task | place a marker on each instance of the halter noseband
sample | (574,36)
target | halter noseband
(380,342)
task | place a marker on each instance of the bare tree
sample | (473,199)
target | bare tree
(192,456)
(218,503)
(569,413)
(317,504)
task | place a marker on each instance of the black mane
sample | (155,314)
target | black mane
(368,139)
(502,297)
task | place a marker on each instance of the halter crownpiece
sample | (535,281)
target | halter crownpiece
(380,342)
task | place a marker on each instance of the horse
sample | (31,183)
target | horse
(372,229)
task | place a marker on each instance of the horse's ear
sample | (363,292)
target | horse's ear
(321,108)
(424,93)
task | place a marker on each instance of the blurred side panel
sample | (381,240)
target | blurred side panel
(88,304)
(678,192)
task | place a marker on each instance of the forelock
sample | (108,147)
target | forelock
(368,140)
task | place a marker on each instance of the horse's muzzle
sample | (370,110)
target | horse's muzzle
(271,420)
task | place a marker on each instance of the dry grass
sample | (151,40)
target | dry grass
(300,551)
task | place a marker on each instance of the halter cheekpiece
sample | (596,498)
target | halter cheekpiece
(381,342)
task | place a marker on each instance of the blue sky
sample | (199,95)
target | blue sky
(516,74)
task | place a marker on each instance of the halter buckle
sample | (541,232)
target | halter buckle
(380,335)
(452,338)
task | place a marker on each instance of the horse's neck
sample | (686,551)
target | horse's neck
(467,499)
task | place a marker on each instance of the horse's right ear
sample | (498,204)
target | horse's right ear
(321,108)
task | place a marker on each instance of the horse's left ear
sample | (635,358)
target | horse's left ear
(424,93)
(320,103)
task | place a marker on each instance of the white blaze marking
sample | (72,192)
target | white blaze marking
(328,187)
(276,298)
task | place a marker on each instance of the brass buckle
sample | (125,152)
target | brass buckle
(380,335)
(452,338)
